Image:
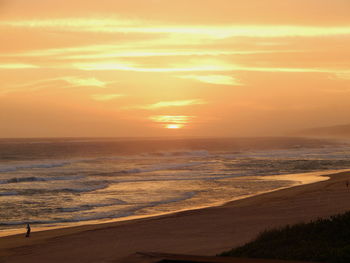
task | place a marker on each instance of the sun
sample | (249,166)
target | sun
(174,126)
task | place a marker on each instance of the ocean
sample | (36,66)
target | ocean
(62,182)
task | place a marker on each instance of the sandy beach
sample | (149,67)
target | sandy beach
(199,232)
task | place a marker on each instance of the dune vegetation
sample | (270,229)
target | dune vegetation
(323,240)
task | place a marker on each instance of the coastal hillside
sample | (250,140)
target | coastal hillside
(329,131)
(323,240)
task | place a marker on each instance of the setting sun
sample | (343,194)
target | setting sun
(174,126)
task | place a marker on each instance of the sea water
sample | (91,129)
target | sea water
(58,182)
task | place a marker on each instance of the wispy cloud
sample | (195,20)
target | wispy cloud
(205,65)
(108,65)
(172,122)
(155,53)
(72,81)
(88,82)
(17,66)
(106,97)
(120,25)
(59,82)
(153,47)
(214,79)
(69,24)
(343,75)
(124,51)
(165,104)
(180,119)
(103,66)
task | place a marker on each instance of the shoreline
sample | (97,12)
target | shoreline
(298,178)
(204,231)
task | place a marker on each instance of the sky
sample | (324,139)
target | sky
(140,68)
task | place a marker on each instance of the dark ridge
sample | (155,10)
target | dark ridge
(342,131)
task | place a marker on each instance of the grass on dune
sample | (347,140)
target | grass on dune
(323,240)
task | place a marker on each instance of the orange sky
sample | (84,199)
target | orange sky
(172,68)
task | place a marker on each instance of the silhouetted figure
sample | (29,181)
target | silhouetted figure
(28,230)
(347,184)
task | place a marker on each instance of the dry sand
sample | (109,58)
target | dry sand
(203,232)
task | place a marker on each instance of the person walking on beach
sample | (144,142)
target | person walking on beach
(28,230)
(347,184)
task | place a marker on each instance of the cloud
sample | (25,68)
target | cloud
(106,97)
(121,67)
(214,79)
(155,53)
(72,81)
(120,25)
(171,121)
(343,75)
(153,47)
(89,82)
(17,66)
(70,24)
(59,82)
(121,50)
(180,119)
(165,104)
(108,65)
(199,65)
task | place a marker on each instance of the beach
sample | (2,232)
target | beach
(206,231)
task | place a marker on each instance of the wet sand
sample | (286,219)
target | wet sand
(198,232)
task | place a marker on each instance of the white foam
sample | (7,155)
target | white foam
(16,167)
(183,153)
(160,167)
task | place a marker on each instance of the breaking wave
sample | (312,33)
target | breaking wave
(160,167)
(99,216)
(197,153)
(38,179)
(35,191)
(14,168)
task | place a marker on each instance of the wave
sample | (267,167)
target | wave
(160,167)
(47,164)
(184,153)
(90,206)
(8,193)
(192,178)
(100,216)
(72,189)
(34,191)
(58,163)
(54,164)
(14,168)
(38,179)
